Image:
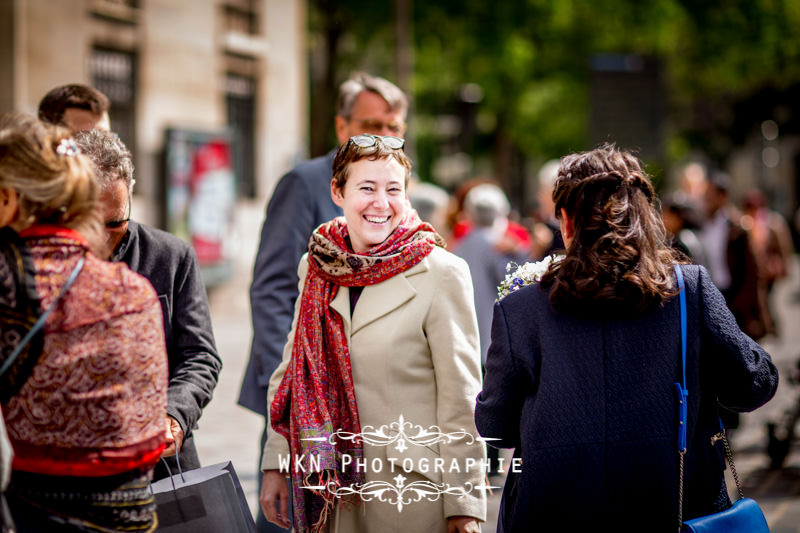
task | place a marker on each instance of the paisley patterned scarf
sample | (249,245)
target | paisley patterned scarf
(19,310)
(315,404)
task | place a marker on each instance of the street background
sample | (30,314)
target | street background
(229,432)
(498,89)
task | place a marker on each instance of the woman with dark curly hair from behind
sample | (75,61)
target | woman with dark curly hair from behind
(581,369)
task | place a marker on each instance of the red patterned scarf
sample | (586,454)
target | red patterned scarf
(315,404)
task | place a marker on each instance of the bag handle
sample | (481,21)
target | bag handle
(683,394)
(169,471)
(39,323)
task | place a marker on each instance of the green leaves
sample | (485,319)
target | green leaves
(531,60)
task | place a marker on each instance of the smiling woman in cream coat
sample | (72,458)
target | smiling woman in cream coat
(412,341)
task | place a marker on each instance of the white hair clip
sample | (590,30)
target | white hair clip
(67,147)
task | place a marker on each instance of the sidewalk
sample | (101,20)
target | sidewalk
(229,432)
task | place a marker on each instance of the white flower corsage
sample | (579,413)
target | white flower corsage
(524,274)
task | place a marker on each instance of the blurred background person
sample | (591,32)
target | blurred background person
(692,182)
(516,239)
(732,265)
(545,231)
(730,259)
(486,207)
(771,242)
(170,264)
(431,203)
(75,106)
(456,216)
(85,400)
(682,222)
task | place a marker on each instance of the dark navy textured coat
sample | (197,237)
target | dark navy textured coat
(590,407)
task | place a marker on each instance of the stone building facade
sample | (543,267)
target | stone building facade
(234,66)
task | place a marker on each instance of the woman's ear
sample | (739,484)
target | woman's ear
(9,206)
(567,227)
(336,194)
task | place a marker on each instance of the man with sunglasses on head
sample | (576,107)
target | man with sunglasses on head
(171,266)
(301,202)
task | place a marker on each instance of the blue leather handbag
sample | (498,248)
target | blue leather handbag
(744,516)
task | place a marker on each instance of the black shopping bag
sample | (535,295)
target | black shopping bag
(205,500)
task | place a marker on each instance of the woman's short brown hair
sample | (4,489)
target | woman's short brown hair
(350,152)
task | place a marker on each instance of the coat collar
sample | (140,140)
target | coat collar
(376,300)
(125,243)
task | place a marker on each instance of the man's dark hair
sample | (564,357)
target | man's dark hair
(74,95)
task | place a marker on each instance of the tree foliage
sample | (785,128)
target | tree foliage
(530,59)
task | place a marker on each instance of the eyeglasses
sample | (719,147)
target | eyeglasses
(377,126)
(116,224)
(366,140)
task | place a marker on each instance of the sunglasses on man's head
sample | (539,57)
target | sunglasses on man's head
(366,140)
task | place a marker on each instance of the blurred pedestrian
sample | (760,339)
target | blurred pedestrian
(546,233)
(301,202)
(693,182)
(730,258)
(457,217)
(771,242)
(581,370)
(384,331)
(75,106)
(516,239)
(171,266)
(431,203)
(682,222)
(85,400)
(487,209)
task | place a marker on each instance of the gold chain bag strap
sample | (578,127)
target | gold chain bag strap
(744,516)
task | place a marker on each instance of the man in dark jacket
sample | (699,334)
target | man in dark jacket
(171,266)
(301,202)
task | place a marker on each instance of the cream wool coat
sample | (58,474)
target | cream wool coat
(414,354)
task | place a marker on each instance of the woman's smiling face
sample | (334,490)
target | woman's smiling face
(373,201)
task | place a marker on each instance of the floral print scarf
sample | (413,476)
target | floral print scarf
(315,404)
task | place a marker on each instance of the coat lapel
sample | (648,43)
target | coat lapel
(381,299)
